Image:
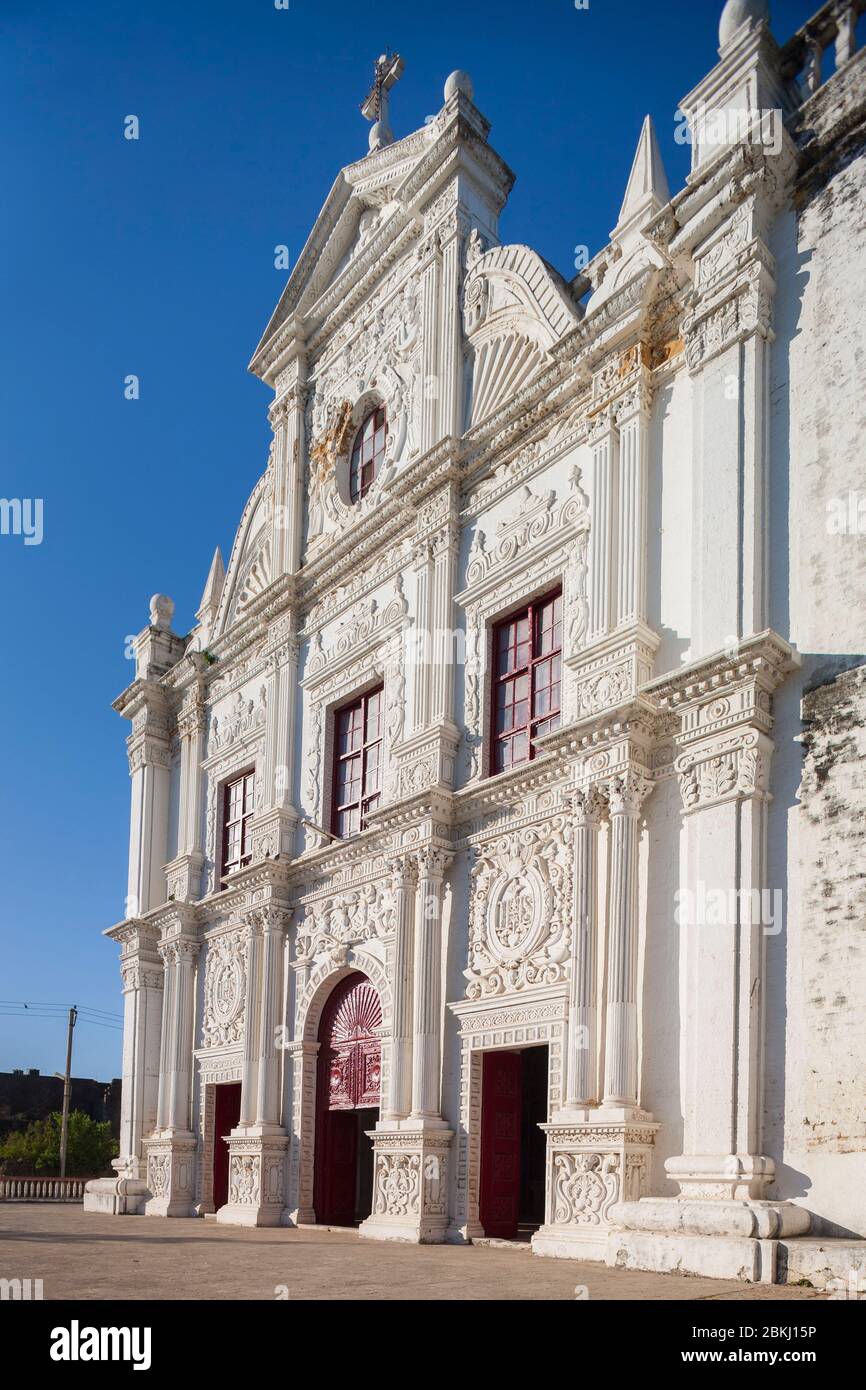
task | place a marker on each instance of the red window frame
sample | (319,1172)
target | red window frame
(368,450)
(238,810)
(358,744)
(527,680)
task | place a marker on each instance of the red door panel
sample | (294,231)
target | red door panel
(349,1072)
(227,1113)
(499,1197)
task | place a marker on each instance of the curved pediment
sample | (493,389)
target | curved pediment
(516,309)
(249,572)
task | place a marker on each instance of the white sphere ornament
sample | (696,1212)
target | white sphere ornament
(161,611)
(737,12)
(459,81)
(380,134)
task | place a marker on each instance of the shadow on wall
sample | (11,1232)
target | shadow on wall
(803,1058)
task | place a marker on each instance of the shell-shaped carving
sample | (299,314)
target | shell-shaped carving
(354,1011)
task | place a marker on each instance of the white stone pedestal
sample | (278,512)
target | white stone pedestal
(257,1185)
(170,1173)
(410,1184)
(595,1158)
(716,1238)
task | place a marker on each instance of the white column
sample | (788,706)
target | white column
(427,1004)
(273,922)
(405,880)
(602,536)
(630,574)
(287,423)
(249,1065)
(150,771)
(582,1068)
(191,727)
(621,1038)
(143,980)
(181,1039)
(421,638)
(431,299)
(169,995)
(442,672)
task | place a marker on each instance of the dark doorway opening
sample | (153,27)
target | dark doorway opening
(226,1114)
(347,1102)
(513,1148)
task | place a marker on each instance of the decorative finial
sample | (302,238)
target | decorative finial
(737,13)
(459,81)
(387,71)
(161,611)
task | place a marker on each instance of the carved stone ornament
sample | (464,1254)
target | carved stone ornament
(520,911)
(333,923)
(224,991)
(585,1186)
(378,364)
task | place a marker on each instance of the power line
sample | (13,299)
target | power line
(30,1004)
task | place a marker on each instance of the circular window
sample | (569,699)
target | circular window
(368,451)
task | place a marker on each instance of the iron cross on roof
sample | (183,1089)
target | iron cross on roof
(387,71)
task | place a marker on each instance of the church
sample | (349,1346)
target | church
(497,833)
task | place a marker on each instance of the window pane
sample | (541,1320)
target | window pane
(520,748)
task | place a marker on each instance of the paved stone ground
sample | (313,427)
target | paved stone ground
(80,1255)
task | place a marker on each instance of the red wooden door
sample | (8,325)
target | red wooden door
(226,1113)
(499,1197)
(349,1072)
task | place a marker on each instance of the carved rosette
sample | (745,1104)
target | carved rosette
(520,910)
(224,991)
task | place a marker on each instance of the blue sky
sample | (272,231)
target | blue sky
(156,257)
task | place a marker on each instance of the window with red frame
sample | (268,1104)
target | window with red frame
(367,453)
(358,763)
(527,656)
(238,805)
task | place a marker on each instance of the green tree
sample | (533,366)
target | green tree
(36,1150)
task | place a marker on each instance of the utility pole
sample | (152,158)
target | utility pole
(67,1088)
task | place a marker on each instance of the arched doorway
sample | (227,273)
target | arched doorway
(347,1101)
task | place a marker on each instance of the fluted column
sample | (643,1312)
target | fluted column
(249,1067)
(421,638)
(143,984)
(273,922)
(163,1100)
(621,1047)
(633,420)
(604,438)
(191,727)
(427,1004)
(405,880)
(442,673)
(287,422)
(185,954)
(581,1075)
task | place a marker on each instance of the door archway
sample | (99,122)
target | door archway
(348,1083)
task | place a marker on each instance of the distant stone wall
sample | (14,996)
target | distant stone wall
(27,1097)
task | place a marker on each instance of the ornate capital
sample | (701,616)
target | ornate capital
(628,792)
(587,806)
(432,862)
(404,871)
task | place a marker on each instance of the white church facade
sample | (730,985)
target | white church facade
(497,832)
